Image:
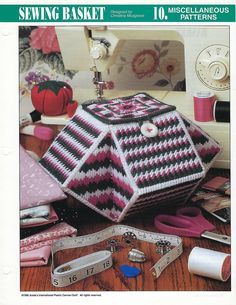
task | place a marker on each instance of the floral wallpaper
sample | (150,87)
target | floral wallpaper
(149,65)
(39,57)
(141,65)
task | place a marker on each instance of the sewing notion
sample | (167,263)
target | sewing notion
(209,263)
(190,222)
(85,266)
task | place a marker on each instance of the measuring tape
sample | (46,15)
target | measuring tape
(91,264)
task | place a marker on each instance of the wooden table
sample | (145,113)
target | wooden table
(175,277)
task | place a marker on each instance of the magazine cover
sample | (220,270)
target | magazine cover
(116,154)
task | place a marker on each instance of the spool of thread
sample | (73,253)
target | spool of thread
(209,263)
(221,111)
(203,106)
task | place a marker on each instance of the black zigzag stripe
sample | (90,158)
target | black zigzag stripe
(70,150)
(186,123)
(52,170)
(76,138)
(127,133)
(208,158)
(81,124)
(108,205)
(63,161)
(169,177)
(147,168)
(107,141)
(101,186)
(199,139)
(196,140)
(106,163)
(147,154)
(171,188)
(130,146)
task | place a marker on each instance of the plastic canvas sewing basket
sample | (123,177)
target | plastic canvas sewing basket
(122,155)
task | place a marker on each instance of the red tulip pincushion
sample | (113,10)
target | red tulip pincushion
(51,97)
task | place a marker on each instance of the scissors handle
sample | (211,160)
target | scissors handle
(177,225)
(225,239)
(195,215)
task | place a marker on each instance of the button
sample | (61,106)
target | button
(149,130)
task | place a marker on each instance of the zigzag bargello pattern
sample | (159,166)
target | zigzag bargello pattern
(205,146)
(69,147)
(168,157)
(102,180)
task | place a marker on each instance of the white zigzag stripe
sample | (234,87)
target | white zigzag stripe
(58,163)
(102,171)
(66,152)
(166,168)
(164,193)
(155,145)
(108,192)
(74,142)
(151,161)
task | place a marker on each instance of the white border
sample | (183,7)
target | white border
(9,157)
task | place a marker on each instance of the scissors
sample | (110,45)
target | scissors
(190,222)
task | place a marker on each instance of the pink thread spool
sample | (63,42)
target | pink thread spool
(203,106)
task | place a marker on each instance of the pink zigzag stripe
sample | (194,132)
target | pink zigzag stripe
(166,172)
(81,120)
(104,198)
(88,180)
(80,135)
(122,184)
(206,151)
(101,156)
(63,156)
(195,133)
(158,162)
(71,145)
(156,149)
(55,166)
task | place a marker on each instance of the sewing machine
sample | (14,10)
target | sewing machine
(205,65)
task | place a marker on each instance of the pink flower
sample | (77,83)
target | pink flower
(108,85)
(170,66)
(45,39)
(145,63)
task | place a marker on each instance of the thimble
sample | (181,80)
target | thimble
(135,255)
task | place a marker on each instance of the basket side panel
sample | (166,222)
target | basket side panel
(102,182)
(207,148)
(69,148)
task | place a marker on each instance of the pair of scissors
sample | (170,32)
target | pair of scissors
(189,221)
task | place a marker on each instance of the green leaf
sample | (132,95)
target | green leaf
(52,85)
(120,69)
(23,44)
(165,43)
(28,58)
(161,83)
(164,53)
(70,73)
(54,60)
(157,48)
(180,86)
